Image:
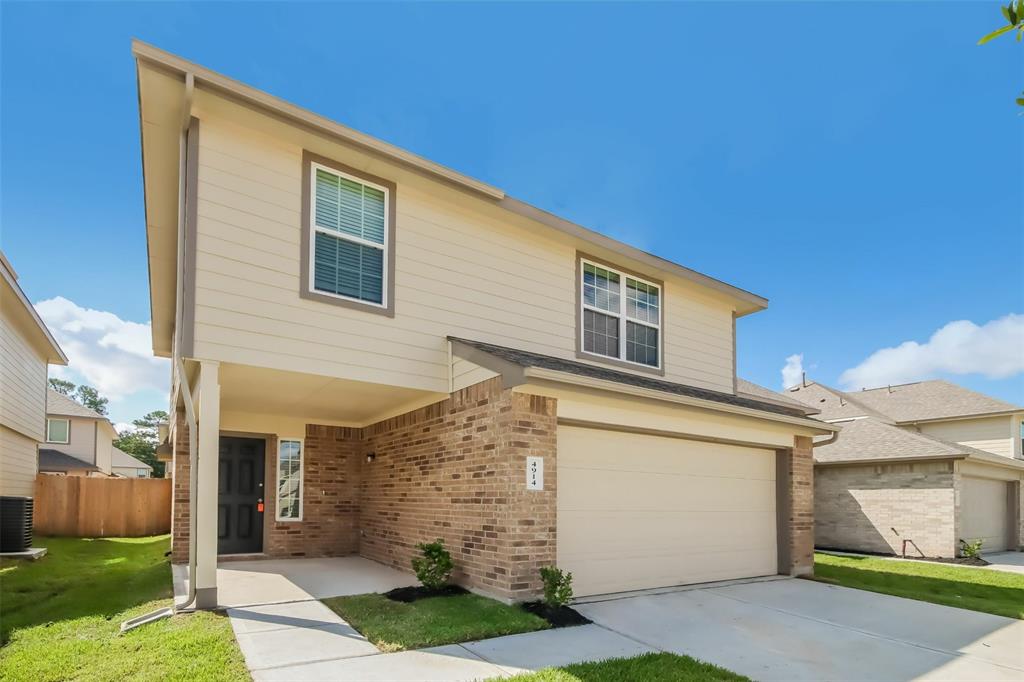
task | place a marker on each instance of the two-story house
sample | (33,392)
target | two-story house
(79,441)
(372,350)
(26,349)
(930,463)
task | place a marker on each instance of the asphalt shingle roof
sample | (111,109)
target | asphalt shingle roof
(758,392)
(120,458)
(872,439)
(527,359)
(55,460)
(58,403)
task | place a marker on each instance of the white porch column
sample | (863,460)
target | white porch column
(206,499)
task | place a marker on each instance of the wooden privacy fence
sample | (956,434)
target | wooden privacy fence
(84,507)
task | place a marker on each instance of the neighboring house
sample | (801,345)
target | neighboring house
(57,463)
(384,351)
(73,429)
(26,348)
(930,462)
(127,466)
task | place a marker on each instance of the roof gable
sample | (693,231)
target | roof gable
(59,404)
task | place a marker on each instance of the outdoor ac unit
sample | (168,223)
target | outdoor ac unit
(15,524)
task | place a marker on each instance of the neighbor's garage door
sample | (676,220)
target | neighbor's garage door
(640,511)
(983,512)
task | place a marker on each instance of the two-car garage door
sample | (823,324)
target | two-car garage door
(641,511)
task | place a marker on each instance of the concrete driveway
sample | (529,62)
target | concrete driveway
(803,630)
(1011,562)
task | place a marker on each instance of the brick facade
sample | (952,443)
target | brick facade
(858,506)
(797,513)
(456,470)
(179,492)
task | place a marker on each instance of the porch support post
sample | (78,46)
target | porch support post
(206,502)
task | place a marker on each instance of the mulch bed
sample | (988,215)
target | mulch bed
(559,617)
(407,595)
(962,560)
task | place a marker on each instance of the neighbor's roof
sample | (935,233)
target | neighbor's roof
(869,439)
(527,359)
(159,126)
(751,390)
(59,404)
(23,310)
(55,460)
(120,458)
(920,401)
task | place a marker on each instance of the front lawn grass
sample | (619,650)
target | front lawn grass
(61,617)
(648,667)
(431,621)
(977,589)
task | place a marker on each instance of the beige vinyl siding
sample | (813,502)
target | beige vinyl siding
(992,434)
(104,446)
(22,382)
(81,441)
(18,463)
(460,270)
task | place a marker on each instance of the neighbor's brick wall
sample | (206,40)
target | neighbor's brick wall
(179,468)
(856,507)
(330,505)
(455,470)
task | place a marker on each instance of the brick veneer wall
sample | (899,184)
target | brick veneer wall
(800,512)
(856,507)
(456,470)
(330,505)
(179,492)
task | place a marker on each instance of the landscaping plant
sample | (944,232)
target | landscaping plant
(557,586)
(971,550)
(434,568)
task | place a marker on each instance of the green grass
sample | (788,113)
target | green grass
(394,626)
(977,589)
(61,617)
(648,667)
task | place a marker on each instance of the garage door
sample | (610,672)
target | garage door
(640,511)
(983,512)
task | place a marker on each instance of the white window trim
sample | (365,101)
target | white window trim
(67,430)
(314,229)
(621,315)
(277,479)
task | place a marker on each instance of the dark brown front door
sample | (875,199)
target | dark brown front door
(240,496)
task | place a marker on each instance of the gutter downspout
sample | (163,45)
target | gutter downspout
(828,441)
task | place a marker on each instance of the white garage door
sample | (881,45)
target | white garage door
(983,512)
(639,511)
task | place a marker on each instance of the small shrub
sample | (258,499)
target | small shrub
(557,586)
(434,568)
(971,550)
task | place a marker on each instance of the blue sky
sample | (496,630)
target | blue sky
(859,164)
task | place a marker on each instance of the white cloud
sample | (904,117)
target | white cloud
(104,351)
(793,371)
(994,350)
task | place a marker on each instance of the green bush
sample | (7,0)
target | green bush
(970,549)
(557,586)
(434,568)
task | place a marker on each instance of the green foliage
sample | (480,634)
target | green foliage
(91,398)
(1014,15)
(970,549)
(434,568)
(432,621)
(63,387)
(653,667)
(141,442)
(557,586)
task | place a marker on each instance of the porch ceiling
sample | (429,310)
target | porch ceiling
(327,400)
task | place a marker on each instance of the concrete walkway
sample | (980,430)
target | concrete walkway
(1011,562)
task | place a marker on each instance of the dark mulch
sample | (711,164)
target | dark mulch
(962,560)
(407,595)
(559,617)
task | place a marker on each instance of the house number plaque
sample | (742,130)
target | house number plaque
(535,473)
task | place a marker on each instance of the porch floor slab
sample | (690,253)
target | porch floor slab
(274,581)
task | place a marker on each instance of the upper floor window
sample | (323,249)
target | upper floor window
(620,315)
(348,236)
(58,430)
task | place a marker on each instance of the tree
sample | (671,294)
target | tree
(1014,15)
(63,387)
(91,398)
(141,441)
